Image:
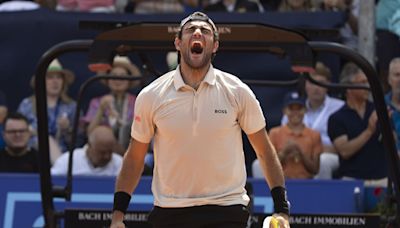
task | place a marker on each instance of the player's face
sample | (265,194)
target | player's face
(197,44)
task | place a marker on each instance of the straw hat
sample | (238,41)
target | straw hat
(55,67)
(124,62)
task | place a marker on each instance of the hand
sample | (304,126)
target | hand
(106,102)
(117,225)
(276,221)
(63,122)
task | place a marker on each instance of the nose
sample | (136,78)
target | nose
(197,32)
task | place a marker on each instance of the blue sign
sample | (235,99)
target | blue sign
(20,197)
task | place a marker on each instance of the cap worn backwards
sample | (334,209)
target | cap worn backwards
(199,16)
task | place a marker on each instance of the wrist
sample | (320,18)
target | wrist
(121,203)
(281,203)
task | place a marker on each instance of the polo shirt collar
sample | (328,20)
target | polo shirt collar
(179,83)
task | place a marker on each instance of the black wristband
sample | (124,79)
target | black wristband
(281,204)
(121,201)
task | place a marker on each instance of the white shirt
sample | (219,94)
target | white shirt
(82,165)
(198,149)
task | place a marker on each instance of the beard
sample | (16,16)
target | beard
(197,65)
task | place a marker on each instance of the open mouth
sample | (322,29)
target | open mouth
(197,48)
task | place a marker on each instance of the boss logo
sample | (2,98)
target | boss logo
(221,111)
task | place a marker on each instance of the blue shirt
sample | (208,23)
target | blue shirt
(395,118)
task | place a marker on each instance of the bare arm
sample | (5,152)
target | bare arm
(312,162)
(347,148)
(268,158)
(131,171)
(270,166)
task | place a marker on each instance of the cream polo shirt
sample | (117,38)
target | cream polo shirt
(198,149)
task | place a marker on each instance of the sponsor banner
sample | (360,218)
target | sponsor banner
(102,218)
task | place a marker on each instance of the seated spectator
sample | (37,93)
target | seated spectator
(60,107)
(96,158)
(94,6)
(350,30)
(296,6)
(156,6)
(354,132)
(18,5)
(319,107)
(238,6)
(3,114)
(388,16)
(17,155)
(298,146)
(392,98)
(115,109)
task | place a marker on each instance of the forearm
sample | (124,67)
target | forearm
(311,164)
(129,176)
(268,158)
(272,168)
(350,148)
(96,120)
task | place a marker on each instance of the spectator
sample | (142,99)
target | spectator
(353,131)
(95,6)
(116,108)
(18,5)
(298,146)
(96,158)
(392,98)
(295,6)
(3,114)
(156,6)
(239,6)
(319,107)
(388,15)
(60,107)
(17,155)
(350,30)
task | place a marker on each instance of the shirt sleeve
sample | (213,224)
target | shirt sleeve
(60,166)
(335,127)
(251,118)
(143,127)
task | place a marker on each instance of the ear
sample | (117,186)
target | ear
(216,46)
(177,43)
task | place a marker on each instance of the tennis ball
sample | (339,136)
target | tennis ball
(270,222)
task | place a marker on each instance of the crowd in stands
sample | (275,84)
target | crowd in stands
(320,136)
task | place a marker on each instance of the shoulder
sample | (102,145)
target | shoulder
(158,85)
(26,101)
(312,132)
(231,82)
(335,101)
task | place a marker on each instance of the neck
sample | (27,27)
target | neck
(119,95)
(295,127)
(358,105)
(316,103)
(396,98)
(52,100)
(193,77)
(16,152)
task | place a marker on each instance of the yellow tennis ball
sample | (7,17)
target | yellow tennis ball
(270,222)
